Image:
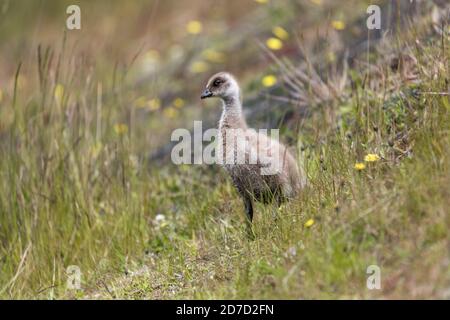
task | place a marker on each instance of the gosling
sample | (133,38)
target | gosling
(249,178)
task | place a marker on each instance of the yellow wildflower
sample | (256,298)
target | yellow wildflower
(140,102)
(262,1)
(359,166)
(59,93)
(121,128)
(178,103)
(317,2)
(269,80)
(213,56)
(274,43)
(309,223)
(280,33)
(151,55)
(154,104)
(371,157)
(331,56)
(338,24)
(199,67)
(194,27)
(170,113)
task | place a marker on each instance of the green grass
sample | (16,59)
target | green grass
(73,195)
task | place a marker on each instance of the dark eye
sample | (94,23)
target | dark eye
(217,82)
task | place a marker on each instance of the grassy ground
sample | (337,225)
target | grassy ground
(77,186)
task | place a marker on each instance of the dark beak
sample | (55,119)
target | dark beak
(206,94)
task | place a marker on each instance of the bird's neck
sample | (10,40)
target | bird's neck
(232,116)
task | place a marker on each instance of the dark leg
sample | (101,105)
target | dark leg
(248,208)
(249,216)
(246,197)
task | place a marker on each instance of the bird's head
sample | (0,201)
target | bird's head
(222,85)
